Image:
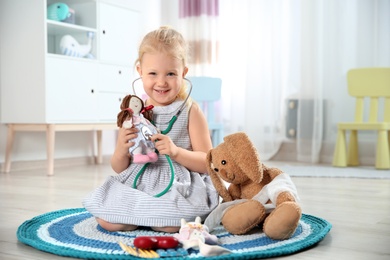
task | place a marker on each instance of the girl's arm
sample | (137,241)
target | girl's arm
(200,140)
(120,160)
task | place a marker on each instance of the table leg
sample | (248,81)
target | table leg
(8,149)
(50,140)
(99,158)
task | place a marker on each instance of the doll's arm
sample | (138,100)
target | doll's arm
(128,123)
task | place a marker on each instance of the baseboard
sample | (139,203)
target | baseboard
(63,162)
(288,153)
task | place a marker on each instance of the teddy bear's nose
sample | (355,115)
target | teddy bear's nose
(212,166)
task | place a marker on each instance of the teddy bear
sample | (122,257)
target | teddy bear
(256,194)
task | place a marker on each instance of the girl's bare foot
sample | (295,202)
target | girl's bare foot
(166,229)
(115,226)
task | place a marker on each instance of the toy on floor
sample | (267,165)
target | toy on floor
(256,195)
(156,242)
(133,112)
(154,246)
(196,235)
(150,253)
(69,46)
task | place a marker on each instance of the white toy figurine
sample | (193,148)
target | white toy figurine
(196,235)
(70,47)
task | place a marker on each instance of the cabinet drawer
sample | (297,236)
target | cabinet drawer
(113,78)
(71,90)
(109,106)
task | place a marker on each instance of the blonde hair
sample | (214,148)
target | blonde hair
(168,41)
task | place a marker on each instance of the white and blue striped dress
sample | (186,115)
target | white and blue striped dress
(192,194)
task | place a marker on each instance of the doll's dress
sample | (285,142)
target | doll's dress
(192,194)
(142,142)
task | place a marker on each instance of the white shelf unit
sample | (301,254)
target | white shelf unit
(59,88)
(40,86)
(86,20)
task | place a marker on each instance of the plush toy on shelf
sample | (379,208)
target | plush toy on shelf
(61,12)
(133,112)
(70,47)
(58,12)
(257,195)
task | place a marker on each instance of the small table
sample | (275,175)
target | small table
(50,130)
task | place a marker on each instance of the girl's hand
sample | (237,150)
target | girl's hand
(121,157)
(124,136)
(164,145)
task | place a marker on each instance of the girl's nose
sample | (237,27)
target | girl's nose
(161,81)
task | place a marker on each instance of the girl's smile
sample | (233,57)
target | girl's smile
(162,91)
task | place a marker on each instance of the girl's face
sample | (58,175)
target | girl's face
(162,77)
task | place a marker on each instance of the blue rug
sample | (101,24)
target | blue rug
(75,233)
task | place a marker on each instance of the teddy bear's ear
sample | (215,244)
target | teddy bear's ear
(245,155)
(217,182)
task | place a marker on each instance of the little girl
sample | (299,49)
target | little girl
(129,200)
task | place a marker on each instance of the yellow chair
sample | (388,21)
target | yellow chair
(374,84)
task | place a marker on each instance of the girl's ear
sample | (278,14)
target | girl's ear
(185,71)
(139,69)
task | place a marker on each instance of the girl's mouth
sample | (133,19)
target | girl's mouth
(161,91)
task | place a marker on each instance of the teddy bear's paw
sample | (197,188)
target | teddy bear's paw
(283,221)
(241,218)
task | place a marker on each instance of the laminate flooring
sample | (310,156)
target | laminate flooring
(359,210)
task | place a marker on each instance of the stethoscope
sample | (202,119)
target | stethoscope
(166,131)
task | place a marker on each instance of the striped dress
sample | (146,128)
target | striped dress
(192,194)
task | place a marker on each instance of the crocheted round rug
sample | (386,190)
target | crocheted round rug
(75,233)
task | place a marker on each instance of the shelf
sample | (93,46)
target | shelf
(61,56)
(61,28)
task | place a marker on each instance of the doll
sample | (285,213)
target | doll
(133,112)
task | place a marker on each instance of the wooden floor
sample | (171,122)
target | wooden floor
(359,210)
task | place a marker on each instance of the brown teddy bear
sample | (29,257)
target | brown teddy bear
(257,194)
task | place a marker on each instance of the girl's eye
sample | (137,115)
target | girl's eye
(171,74)
(152,73)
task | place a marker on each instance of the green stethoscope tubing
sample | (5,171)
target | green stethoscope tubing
(164,132)
(170,124)
(170,181)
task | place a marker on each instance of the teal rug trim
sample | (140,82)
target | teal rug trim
(75,233)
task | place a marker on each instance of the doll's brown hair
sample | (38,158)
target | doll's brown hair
(125,114)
